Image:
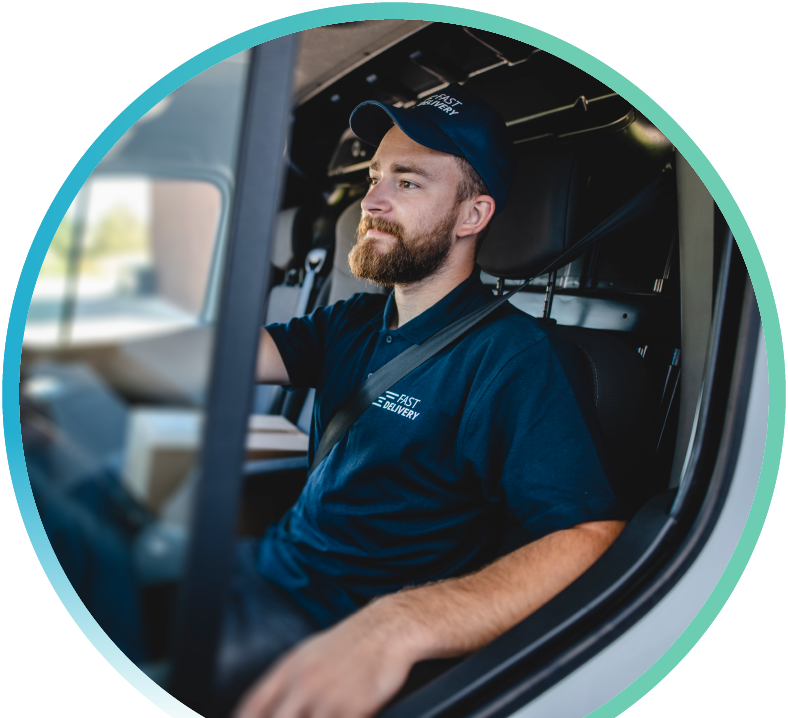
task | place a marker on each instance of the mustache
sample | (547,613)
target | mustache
(381,225)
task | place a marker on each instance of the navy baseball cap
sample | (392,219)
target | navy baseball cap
(455,121)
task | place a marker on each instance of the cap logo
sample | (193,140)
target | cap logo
(442,102)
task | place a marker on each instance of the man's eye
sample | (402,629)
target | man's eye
(407,184)
(372,180)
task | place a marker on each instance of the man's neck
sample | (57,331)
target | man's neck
(413,299)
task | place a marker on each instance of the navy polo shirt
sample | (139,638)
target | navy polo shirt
(424,484)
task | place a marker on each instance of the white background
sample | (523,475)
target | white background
(70,68)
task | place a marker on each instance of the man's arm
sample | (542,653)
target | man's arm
(354,668)
(270,367)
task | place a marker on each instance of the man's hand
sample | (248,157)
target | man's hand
(355,668)
(348,671)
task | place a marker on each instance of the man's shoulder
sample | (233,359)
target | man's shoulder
(511,342)
(359,308)
(509,331)
(349,316)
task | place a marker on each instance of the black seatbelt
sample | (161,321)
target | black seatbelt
(648,199)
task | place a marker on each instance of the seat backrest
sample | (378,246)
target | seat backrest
(623,394)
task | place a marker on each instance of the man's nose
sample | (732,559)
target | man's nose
(376,201)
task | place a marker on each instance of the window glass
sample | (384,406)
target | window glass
(116,358)
(131,258)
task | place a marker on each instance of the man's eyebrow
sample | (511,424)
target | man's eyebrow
(402,169)
(411,170)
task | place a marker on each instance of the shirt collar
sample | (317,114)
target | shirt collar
(464,297)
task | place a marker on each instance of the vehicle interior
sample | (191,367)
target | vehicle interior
(139,410)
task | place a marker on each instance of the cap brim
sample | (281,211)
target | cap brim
(371,120)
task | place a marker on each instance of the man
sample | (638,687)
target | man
(418,492)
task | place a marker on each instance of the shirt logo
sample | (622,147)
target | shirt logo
(398,403)
(442,102)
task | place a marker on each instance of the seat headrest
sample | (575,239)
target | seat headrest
(343,284)
(543,217)
(292,237)
(282,249)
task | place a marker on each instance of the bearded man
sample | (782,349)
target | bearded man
(392,554)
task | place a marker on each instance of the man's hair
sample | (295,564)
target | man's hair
(471,185)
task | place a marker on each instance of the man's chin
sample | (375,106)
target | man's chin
(368,274)
(381,243)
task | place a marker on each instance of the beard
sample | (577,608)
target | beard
(410,259)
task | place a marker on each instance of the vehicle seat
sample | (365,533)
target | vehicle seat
(551,207)
(292,240)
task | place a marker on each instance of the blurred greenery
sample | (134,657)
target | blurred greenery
(118,233)
(57,257)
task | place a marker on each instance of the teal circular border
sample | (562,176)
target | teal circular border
(406,11)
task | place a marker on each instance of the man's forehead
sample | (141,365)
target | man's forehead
(399,153)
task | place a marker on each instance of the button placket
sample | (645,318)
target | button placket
(381,355)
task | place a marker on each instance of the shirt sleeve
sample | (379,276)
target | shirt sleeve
(302,343)
(527,439)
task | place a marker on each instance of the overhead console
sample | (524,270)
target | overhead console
(545,101)
(585,120)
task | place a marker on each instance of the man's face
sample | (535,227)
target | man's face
(409,215)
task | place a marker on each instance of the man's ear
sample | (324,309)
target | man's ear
(476,214)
